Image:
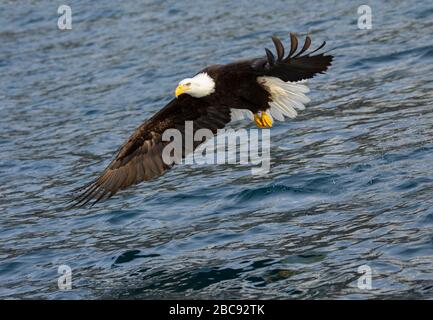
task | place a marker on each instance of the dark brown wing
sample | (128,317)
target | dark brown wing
(297,65)
(140,157)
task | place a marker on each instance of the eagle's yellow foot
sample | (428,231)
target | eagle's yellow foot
(263,120)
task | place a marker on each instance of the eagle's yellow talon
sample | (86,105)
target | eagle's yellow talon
(266,119)
(258,120)
(263,120)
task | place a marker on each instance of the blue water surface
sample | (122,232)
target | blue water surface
(351,178)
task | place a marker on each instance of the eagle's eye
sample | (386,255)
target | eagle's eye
(188,84)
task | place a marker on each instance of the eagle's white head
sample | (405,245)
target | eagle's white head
(198,86)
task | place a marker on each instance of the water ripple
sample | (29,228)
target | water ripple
(351,178)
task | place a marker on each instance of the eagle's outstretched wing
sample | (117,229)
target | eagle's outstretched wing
(295,66)
(140,157)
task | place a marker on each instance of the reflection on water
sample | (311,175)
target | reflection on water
(350,183)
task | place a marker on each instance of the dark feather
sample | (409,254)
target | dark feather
(271,58)
(293,44)
(307,44)
(278,47)
(320,47)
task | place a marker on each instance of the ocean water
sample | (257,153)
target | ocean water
(351,178)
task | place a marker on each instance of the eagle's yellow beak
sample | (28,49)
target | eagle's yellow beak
(181,89)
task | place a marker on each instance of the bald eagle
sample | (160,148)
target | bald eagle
(263,89)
